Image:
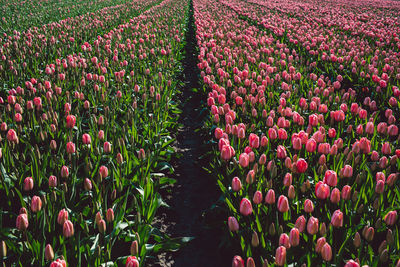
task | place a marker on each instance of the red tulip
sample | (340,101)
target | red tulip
(132,261)
(301,165)
(237,262)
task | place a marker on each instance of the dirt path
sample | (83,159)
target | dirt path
(195,191)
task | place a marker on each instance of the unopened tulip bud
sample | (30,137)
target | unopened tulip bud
(270,197)
(134,248)
(62,216)
(378,223)
(52,181)
(284,240)
(68,229)
(103,171)
(236,184)
(337,219)
(36,204)
(391,217)
(357,240)
(360,209)
(120,159)
(369,234)
(382,246)
(28,184)
(87,184)
(322,229)
(389,237)
(291,192)
(320,243)
(233,224)
(271,229)
(257,198)
(384,256)
(294,237)
(113,194)
(110,215)
(102,226)
(254,239)
(64,172)
(48,252)
(3,249)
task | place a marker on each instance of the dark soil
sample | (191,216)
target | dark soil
(195,191)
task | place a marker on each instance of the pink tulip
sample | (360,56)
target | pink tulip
(103,171)
(281,152)
(71,120)
(335,196)
(68,229)
(280,256)
(270,197)
(245,207)
(58,263)
(86,139)
(337,218)
(257,198)
(36,204)
(71,148)
(391,217)
(22,222)
(283,204)
(284,240)
(351,263)
(64,172)
(308,206)
(294,237)
(28,184)
(322,190)
(62,216)
(300,223)
(347,171)
(233,224)
(237,262)
(312,225)
(12,136)
(320,243)
(326,252)
(236,184)
(330,178)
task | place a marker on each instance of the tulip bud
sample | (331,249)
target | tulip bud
(369,234)
(320,243)
(294,237)
(233,224)
(382,246)
(357,240)
(110,215)
(322,229)
(257,198)
(236,184)
(134,248)
(64,172)
(102,226)
(389,237)
(62,216)
(254,239)
(120,159)
(52,181)
(270,197)
(36,204)
(291,192)
(28,184)
(48,252)
(391,217)
(87,184)
(271,229)
(103,171)
(337,219)
(384,256)
(68,229)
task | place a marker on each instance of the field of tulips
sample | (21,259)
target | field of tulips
(304,103)
(87,109)
(303,106)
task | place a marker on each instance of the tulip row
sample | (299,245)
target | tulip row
(30,53)
(301,185)
(21,15)
(85,147)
